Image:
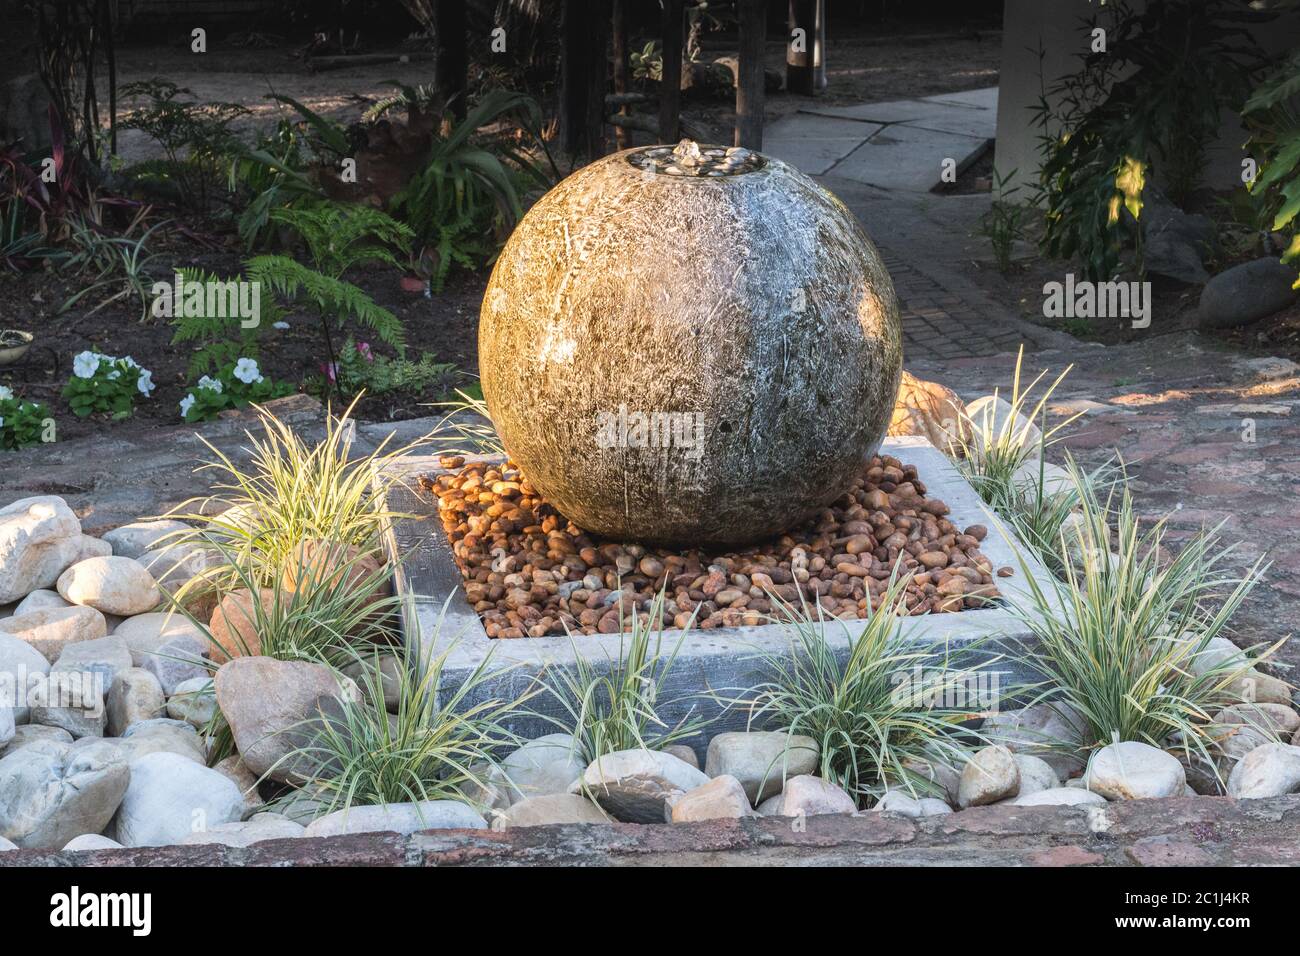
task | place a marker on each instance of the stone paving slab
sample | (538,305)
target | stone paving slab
(908,158)
(1180,831)
(814,144)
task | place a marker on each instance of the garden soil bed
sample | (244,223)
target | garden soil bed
(528,571)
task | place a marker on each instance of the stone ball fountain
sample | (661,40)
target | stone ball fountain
(689,346)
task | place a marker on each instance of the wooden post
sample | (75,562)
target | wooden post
(670,88)
(451,67)
(598,25)
(750,92)
(819,51)
(800,44)
(620,66)
(573,76)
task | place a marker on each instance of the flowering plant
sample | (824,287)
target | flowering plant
(233,386)
(21,423)
(102,383)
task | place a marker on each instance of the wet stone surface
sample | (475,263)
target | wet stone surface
(690,159)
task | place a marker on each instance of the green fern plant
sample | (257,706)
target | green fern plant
(337,237)
(219,340)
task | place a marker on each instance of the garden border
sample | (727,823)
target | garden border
(438,619)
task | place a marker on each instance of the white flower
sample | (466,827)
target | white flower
(85,365)
(186,404)
(128,362)
(5,393)
(145,382)
(280,325)
(211,384)
(2,422)
(246,371)
(114,375)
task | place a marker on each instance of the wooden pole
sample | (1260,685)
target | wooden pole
(750,92)
(670,88)
(800,44)
(621,139)
(598,28)
(451,67)
(573,76)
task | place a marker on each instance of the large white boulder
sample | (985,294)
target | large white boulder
(398,818)
(808,796)
(50,794)
(21,667)
(1132,770)
(990,775)
(35,535)
(1270,770)
(112,585)
(544,765)
(171,797)
(722,798)
(53,629)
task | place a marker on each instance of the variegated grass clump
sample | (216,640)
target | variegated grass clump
(434,746)
(993,442)
(619,706)
(466,428)
(1119,637)
(878,714)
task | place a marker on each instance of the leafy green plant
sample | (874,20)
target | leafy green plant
(272,173)
(873,720)
(102,384)
(21,423)
(1148,104)
(217,340)
(233,386)
(112,262)
(464,201)
(438,745)
(194,136)
(1118,635)
(1004,223)
(1274,125)
(337,238)
(361,369)
(616,706)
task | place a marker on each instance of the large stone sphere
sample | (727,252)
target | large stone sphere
(689,349)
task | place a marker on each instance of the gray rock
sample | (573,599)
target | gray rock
(683,753)
(263,826)
(1035,774)
(808,796)
(21,668)
(7,845)
(134,539)
(110,584)
(180,658)
(390,677)
(234,768)
(990,775)
(91,841)
(163,735)
(7,726)
(722,798)
(398,818)
(40,600)
(270,705)
(1246,293)
(1132,770)
(761,760)
(50,795)
(193,701)
(34,534)
(1052,732)
(105,656)
(896,801)
(134,695)
(549,810)
(171,797)
(1060,797)
(635,785)
(548,764)
(1267,771)
(1172,255)
(1276,720)
(72,700)
(31,735)
(146,634)
(53,629)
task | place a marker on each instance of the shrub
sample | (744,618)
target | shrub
(617,707)
(1003,224)
(233,386)
(1274,124)
(21,423)
(871,719)
(104,384)
(218,340)
(361,369)
(1115,639)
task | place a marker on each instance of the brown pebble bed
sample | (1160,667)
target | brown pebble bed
(529,571)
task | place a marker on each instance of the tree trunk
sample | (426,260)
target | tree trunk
(800,44)
(621,138)
(451,68)
(670,87)
(750,92)
(598,26)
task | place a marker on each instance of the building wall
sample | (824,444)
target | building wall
(1055,26)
